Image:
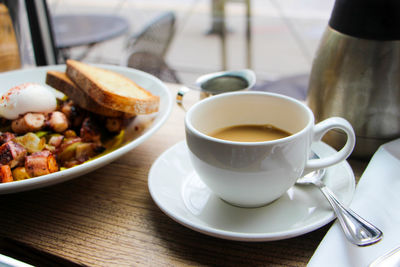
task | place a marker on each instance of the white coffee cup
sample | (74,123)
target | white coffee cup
(252,174)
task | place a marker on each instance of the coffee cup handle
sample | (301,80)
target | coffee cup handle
(320,130)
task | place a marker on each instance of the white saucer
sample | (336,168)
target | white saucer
(178,191)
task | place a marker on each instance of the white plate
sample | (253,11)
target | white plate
(154,122)
(178,191)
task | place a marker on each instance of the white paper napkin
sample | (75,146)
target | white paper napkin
(376,199)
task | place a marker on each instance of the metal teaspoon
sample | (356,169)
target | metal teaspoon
(357,230)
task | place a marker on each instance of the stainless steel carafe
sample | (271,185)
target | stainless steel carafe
(356,72)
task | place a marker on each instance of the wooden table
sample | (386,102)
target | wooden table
(107,218)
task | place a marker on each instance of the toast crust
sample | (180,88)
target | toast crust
(111,89)
(60,81)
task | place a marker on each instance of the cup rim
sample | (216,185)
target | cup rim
(190,127)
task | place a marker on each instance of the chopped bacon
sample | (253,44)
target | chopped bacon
(57,121)
(6,174)
(30,122)
(5,137)
(12,154)
(40,163)
(56,140)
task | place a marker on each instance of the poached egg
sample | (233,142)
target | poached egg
(27,97)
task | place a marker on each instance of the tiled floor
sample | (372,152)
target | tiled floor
(285,33)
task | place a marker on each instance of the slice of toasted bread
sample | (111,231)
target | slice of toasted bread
(60,81)
(111,89)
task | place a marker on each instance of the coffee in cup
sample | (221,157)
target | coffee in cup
(249,133)
(255,173)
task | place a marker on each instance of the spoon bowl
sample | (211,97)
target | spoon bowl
(312,177)
(356,229)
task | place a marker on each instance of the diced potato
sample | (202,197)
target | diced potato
(85,151)
(50,148)
(20,173)
(68,152)
(69,133)
(31,142)
(5,174)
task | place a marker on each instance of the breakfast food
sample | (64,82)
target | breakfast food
(26,97)
(43,131)
(112,90)
(62,82)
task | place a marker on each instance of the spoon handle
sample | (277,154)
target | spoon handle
(356,229)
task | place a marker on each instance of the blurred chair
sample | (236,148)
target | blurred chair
(31,22)
(146,50)
(154,65)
